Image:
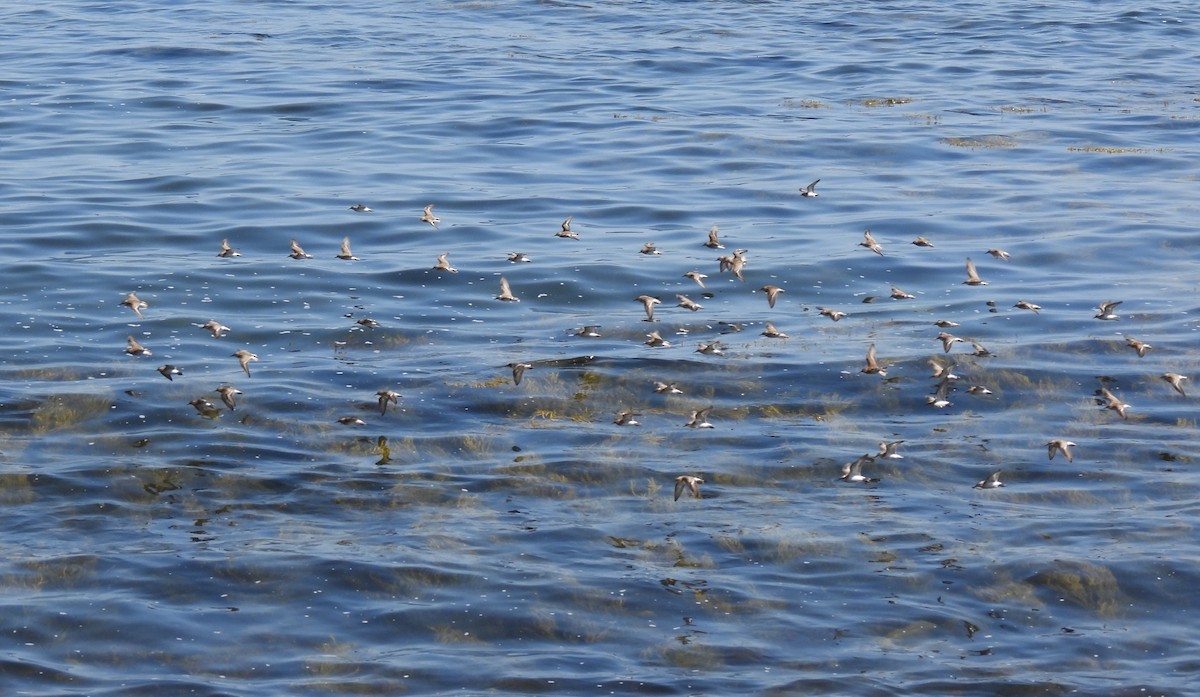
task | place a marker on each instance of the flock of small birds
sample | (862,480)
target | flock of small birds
(734,263)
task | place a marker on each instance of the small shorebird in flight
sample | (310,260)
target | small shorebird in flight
(133,302)
(686,481)
(427,216)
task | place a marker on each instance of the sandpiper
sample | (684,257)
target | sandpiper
(228,392)
(668,387)
(427,216)
(940,399)
(506,293)
(772,293)
(1110,401)
(948,340)
(687,481)
(979,349)
(1140,346)
(978,389)
(133,302)
(713,242)
(887,449)
(772,333)
(810,190)
(367,322)
(244,357)
(714,349)
(1060,445)
(625,418)
(654,339)
(385,395)
(942,371)
(872,365)
(345,253)
(834,315)
(870,243)
(204,407)
(648,301)
(922,242)
(649,249)
(352,421)
(973,278)
(136,349)
(1106,310)
(566,229)
(945,323)
(518,257)
(852,471)
(227,251)
(588,330)
(700,419)
(729,327)
(999,254)
(898,294)
(298,251)
(1176,381)
(734,263)
(697,277)
(1026,305)
(518,370)
(168,370)
(443,263)
(360,208)
(215,328)
(688,304)
(991,482)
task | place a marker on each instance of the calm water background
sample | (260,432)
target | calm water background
(487,537)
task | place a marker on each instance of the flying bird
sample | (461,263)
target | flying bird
(136,349)
(345,252)
(872,365)
(870,243)
(1140,346)
(298,251)
(427,216)
(133,302)
(973,278)
(168,370)
(215,328)
(228,392)
(713,242)
(810,190)
(244,357)
(648,301)
(227,251)
(1106,310)
(518,370)
(566,229)
(991,482)
(692,484)
(506,293)
(1060,445)
(772,294)
(834,315)
(1176,381)
(852,471)
(700,419)
(385,395)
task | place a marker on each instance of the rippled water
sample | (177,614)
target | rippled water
(490,537)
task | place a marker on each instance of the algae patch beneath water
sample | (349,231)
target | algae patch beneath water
(62,412)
